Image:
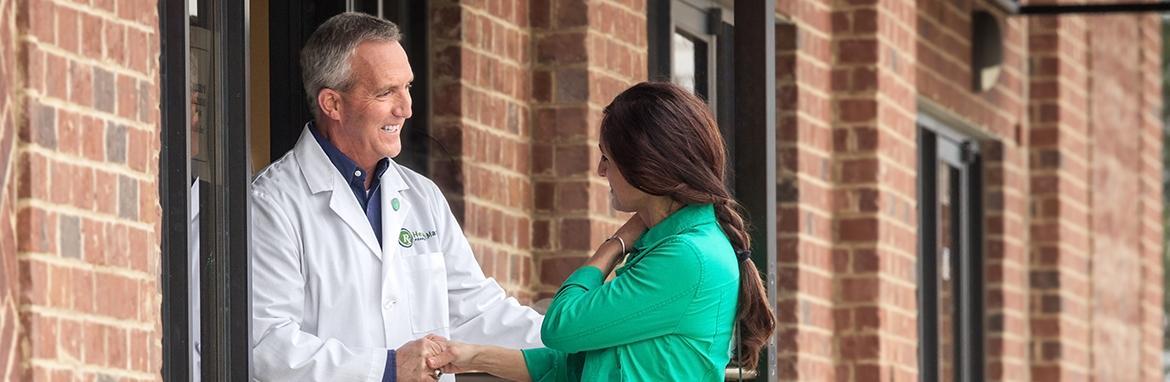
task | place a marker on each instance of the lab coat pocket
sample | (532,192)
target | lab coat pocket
(428,291)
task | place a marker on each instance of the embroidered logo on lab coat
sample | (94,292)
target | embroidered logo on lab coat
(406,238)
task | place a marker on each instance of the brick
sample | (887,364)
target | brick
(115,143)
(555,270)
(541,234)
(39,20)
(858,110)
(859,170)
(137,45)
(570,13)
(858,230)
(40,228)
(138,153)
(540,14)
(91,35)
(104,91)
(572,196)
(34,282)
(105,192)
(571,85)
(127,198)
(127,106)
(574,234)
(115,39)
(70,236)
(67,29)
(70,339)
(44,125)
(573,160)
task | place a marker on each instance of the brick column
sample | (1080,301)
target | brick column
(1059,176)
(586,53)
(804,143)
(1150,172)
(87,209)
(482,108)
(11,118)
(874,219)
(1115,227)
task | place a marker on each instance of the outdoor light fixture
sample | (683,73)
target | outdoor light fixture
(986,50)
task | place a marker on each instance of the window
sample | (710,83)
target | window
(204,188)
(950,267)
(691,44)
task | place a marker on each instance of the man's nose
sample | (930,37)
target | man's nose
(403,110)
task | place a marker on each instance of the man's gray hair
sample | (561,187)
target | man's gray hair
(325,57)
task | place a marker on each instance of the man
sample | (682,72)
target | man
(359,268)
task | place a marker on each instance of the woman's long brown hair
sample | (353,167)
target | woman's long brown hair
(665,142)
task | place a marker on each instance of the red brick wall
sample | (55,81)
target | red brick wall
(805,142)
(86,207)
(1059,175)
(1114,162)
(1150,191)
(11,116)
(873,171)
(482,113)
(586,53)
(519,86)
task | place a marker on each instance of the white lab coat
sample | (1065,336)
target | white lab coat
(328,301)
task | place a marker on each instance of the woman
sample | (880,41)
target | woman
(670,311)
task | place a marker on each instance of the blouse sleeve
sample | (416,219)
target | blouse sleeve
(646,301)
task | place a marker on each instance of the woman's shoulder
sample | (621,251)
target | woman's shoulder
(697,245)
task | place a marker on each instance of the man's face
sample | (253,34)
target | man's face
(377,104)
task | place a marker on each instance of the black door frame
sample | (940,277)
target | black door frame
(225,278)
(937,141)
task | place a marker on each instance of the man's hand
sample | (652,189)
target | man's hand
(418,360)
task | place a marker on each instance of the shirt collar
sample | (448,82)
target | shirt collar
(349,170)
(689,216)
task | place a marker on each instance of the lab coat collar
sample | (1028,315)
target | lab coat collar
(321,176)
(315,165)
(319,170)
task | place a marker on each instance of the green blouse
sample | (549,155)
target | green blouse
(667,315)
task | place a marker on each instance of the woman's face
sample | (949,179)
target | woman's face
(622,196)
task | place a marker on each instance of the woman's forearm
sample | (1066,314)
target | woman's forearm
(606,257)
(504,363)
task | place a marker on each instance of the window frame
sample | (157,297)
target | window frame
(711,23)
(225,280)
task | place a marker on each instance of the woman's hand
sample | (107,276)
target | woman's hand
(504,363)
(631,231)
(610,252)
(462,356)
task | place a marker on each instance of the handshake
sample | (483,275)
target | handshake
(428,358)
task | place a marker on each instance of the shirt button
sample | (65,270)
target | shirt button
(388,303)
(357,173)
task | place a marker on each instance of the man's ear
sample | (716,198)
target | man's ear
(329,101)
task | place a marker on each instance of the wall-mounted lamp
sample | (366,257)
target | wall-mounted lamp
(986,50)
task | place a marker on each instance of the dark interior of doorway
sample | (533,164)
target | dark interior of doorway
(293,21)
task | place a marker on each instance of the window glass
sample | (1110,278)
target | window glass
(683,61)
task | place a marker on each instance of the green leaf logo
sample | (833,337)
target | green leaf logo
(405,239)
